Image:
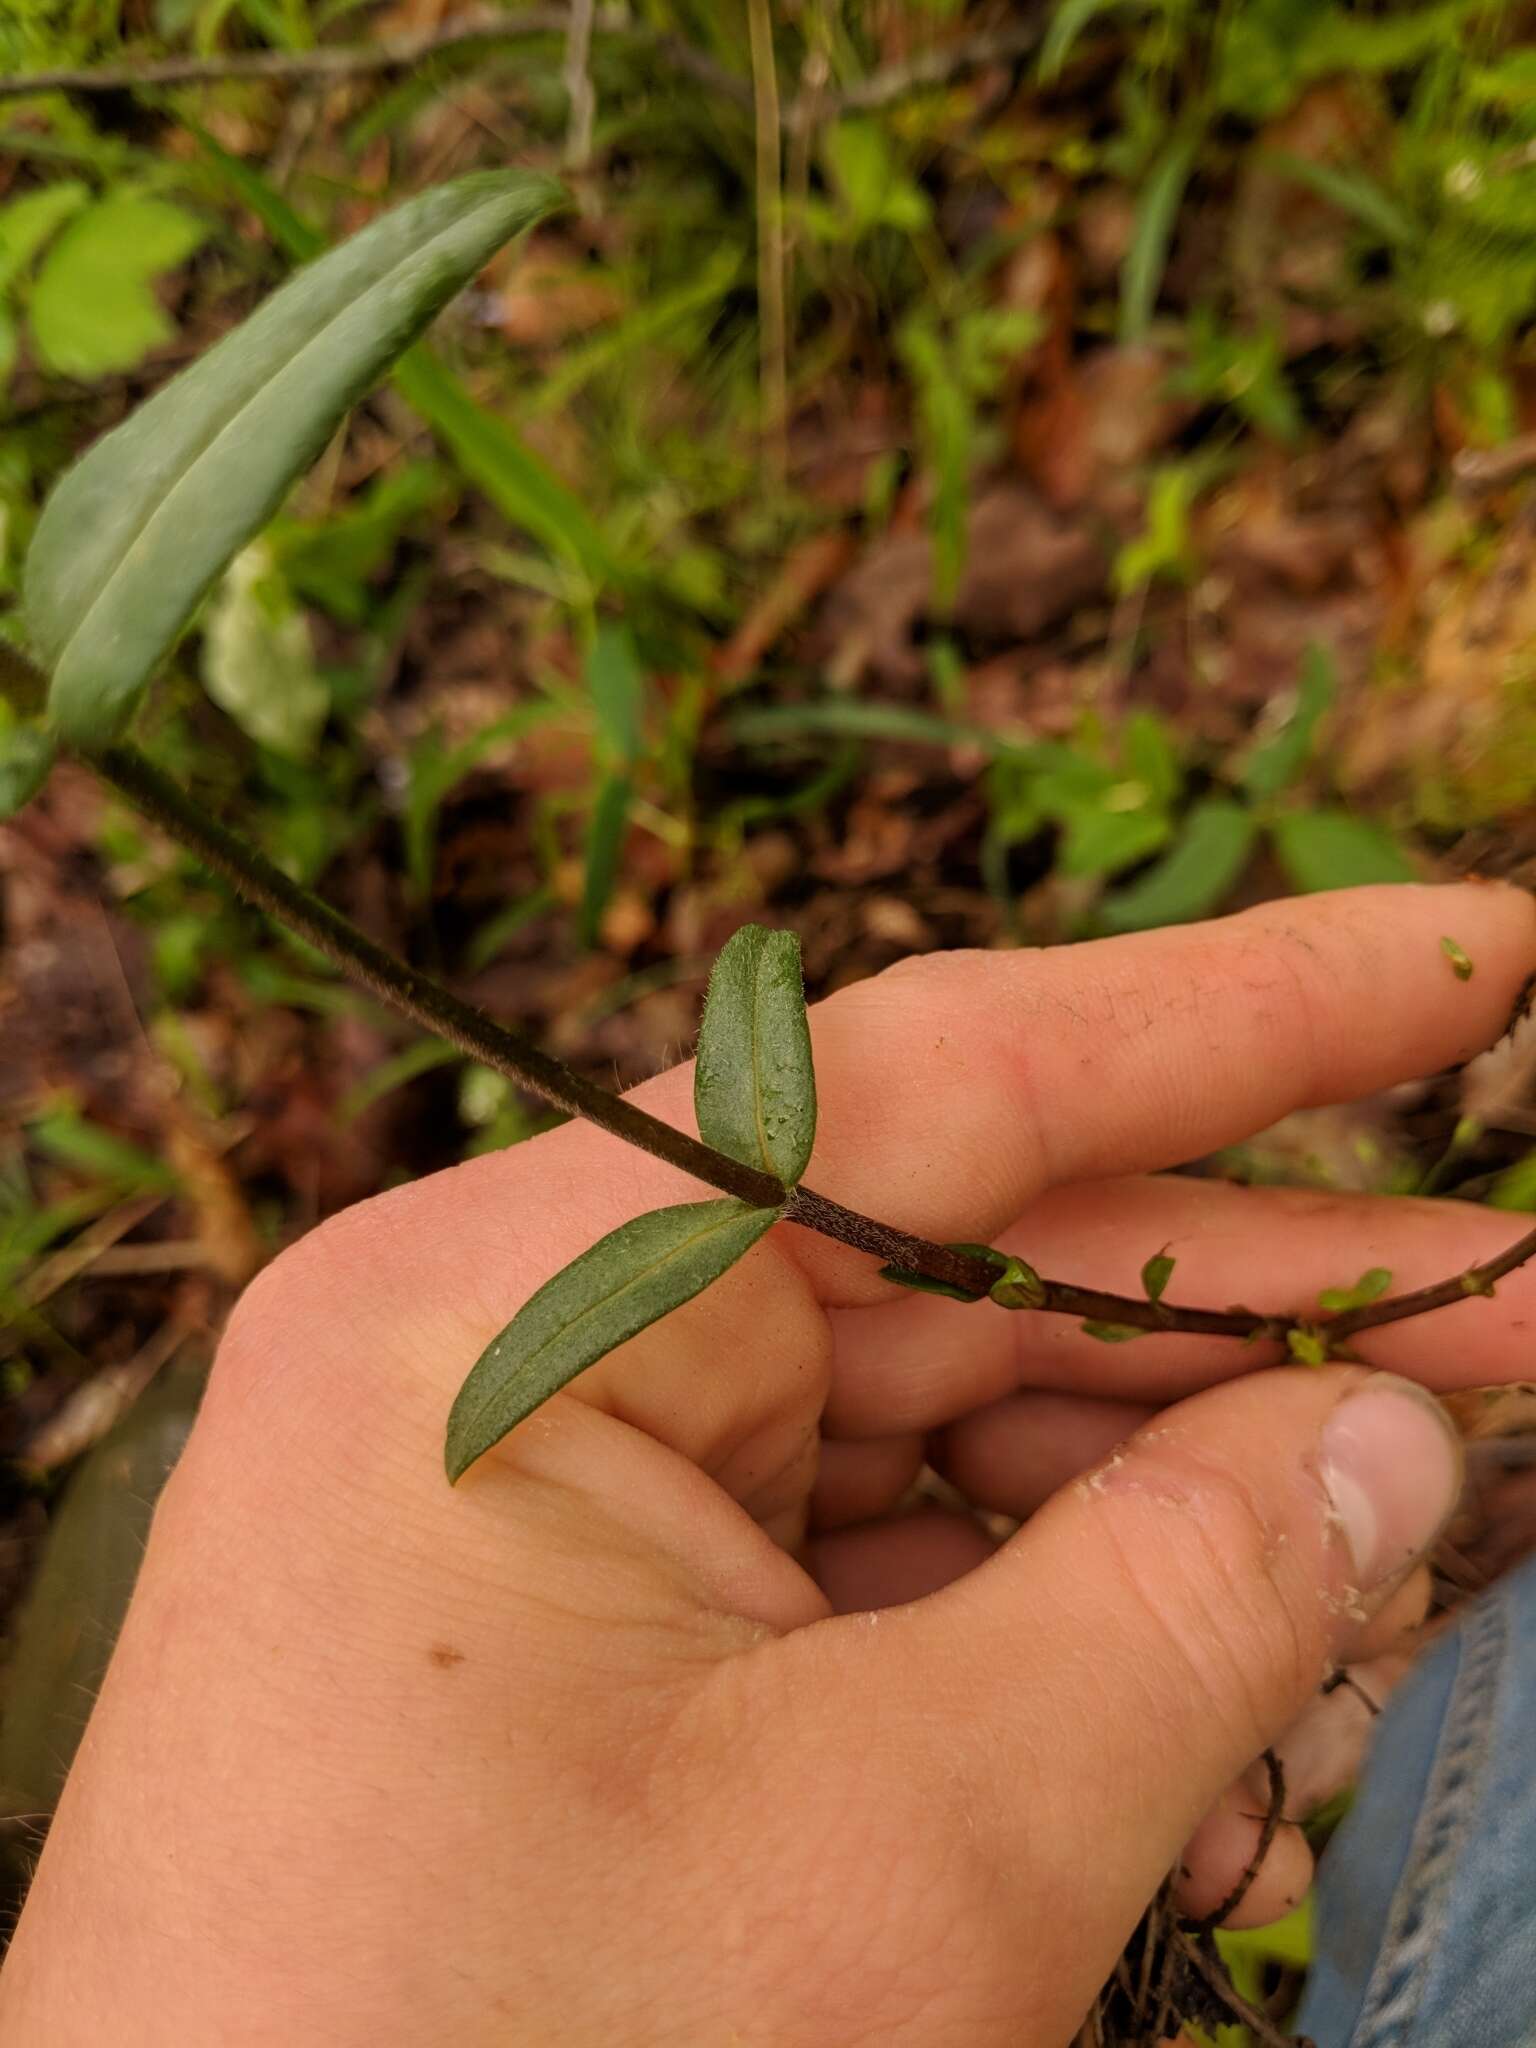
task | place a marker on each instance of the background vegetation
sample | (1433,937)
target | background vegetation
(962,475)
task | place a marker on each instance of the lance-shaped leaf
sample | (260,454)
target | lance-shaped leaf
(754,1088)
(637,1273)
(139,529)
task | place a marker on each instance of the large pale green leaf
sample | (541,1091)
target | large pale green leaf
(92,308)
(629,1279)
(754,1088)
(488,451)
(27,223)
(139,528)
(258,659)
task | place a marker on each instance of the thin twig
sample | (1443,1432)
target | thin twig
(1274,1814)
(336,62)
(772,318)
(930,68)
(580,93)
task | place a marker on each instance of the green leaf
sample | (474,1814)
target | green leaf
(1112,1333)
(511,476)
(1148,751)
(1515,1187)
(630,1278)
(1276,763)
(1460,959)
(139,529)
(1101,841)
(1335,850)
(605,842)
(1067,21)
(1156,1274)
(298,238)
(1192,877)
(1352,192)
(258,662)
(92,310)
(27,223)
(1371,1286)
(617,684)
(874,188)
(754,1088)
(1157,209)
(26,755)
(487,450)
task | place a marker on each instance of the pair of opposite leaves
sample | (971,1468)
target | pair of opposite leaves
(754,1097)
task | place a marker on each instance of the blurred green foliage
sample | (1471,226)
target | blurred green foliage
(577,446)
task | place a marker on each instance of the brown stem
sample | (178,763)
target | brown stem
(339,61)
(427,1003)
(435,1009)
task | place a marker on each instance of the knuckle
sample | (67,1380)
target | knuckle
(1209,1564)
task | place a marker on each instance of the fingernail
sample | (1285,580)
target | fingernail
(1390,1464)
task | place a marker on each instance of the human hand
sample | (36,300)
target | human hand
(583,1753)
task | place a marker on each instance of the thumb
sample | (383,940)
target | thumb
(1163,1620)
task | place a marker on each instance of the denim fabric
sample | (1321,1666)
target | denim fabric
(1427,1898)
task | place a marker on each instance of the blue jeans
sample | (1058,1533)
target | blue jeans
(1427,1897)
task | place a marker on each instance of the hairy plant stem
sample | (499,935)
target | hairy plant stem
(437,1010)
(427,1003)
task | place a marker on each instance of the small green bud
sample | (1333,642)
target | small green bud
(1156,1274)
(1018,1286)
(1306,1346)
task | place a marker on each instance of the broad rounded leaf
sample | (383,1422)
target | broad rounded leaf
(93,309)
(143,524)
(754,1088)
(639,1272)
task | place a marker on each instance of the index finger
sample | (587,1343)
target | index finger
(956,1088)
